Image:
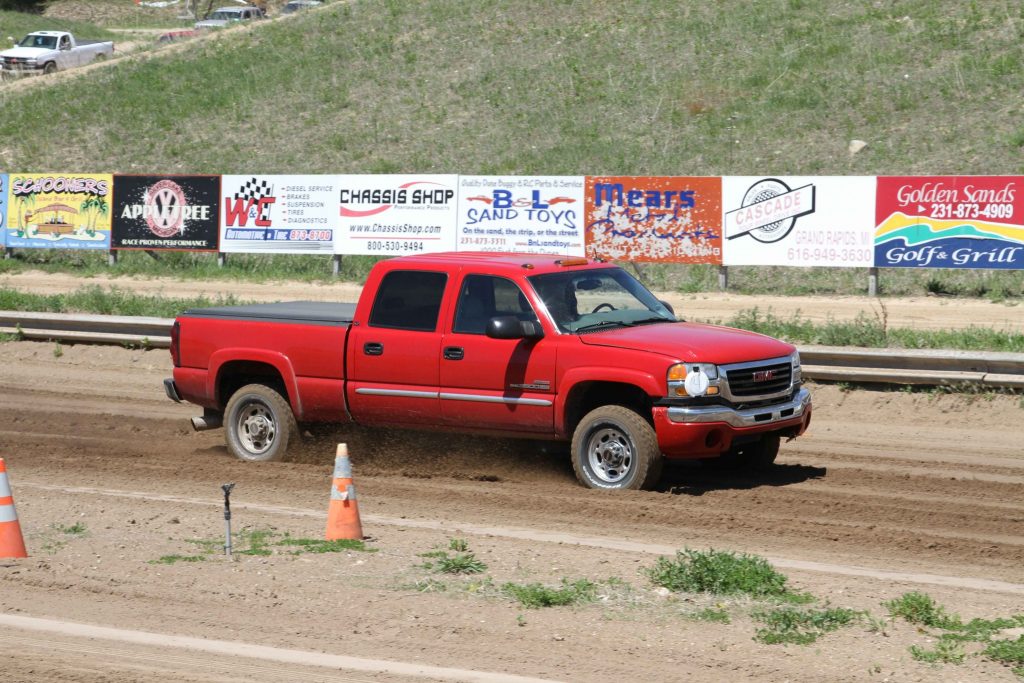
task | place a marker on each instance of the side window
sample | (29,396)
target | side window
(408,300)
(482,297)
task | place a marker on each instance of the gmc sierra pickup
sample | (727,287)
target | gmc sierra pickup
(526,345)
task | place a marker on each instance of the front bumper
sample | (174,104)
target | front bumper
(750,417)
(707,431)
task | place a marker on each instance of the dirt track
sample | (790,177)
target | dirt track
(889,492)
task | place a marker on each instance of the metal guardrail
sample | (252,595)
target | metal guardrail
(830,363)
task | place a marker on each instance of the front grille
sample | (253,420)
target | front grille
(758,380)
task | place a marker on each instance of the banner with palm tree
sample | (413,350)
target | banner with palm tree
(65,211)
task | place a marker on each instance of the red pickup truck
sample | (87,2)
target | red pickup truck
(524,345)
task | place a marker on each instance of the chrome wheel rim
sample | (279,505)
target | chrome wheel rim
(256,428)
(610,454)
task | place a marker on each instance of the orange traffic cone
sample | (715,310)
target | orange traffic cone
(343,515)
(11,542)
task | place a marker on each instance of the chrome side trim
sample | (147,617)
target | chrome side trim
(750,417)
(480,398)
(404,393)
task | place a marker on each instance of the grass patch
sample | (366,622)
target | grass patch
(264,543)
(76,529)
(944,652)
(1008,652)
(462,562)
(921,609)
(870,332)
(173,559)
(312,545)
(110,301)
(536,595)
(721,573)
(800,626)
(715,615)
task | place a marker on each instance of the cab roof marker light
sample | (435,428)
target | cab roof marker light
(572,262)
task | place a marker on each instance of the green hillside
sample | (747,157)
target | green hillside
(553,86)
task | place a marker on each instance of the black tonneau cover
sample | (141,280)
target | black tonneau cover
(304,312)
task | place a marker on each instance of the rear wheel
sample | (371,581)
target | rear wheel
(615,448)
(259,423)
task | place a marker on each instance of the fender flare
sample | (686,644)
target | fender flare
(645,381)
(276,360)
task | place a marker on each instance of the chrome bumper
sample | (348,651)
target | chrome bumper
(751,417)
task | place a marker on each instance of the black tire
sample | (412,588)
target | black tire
(50,67)
(258,424)
(615,448)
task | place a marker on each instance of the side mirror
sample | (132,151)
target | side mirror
(511,327)
(668,306)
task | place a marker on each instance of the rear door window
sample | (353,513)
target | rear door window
(408,300)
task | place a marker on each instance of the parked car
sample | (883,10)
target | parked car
(541,347)
(47,51)
(223,16)
(297,5)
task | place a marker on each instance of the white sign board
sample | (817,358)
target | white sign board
(798,221)
(534,214)
(394,215)
(279,214)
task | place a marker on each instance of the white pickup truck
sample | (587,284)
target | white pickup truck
(47,51)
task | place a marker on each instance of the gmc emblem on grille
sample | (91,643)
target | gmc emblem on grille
(764,375)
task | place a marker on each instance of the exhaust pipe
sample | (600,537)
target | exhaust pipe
(207,421)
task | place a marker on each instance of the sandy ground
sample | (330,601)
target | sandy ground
(108,479)
(917,312)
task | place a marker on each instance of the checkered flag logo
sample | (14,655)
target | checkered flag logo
(254,190)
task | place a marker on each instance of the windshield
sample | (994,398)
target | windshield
(226,15)
(39,41)
(596,298)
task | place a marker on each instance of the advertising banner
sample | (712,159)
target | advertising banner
(798,221)
(3,209)
(950,222)
(535,214)
(173,213)
(59,211)
(278,214)
(394,215)
(669,219)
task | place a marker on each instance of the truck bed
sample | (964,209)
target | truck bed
(299,312)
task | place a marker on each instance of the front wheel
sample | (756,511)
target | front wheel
(259,423)
(615,448)
(49,68)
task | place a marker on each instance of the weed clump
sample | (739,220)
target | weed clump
(721,573)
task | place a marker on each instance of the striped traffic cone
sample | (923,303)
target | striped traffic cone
(343,514)
(11,542)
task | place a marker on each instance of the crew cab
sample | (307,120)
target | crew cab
(525,345)
(48,51)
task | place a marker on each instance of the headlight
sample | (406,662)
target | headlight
(796,367)
(693,379)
